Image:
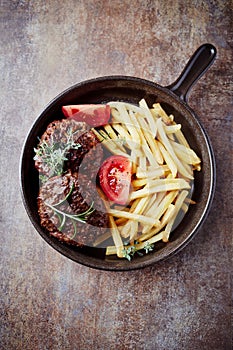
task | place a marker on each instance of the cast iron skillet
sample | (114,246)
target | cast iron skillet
(131,89)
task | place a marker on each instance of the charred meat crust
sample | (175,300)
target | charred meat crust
(87,159)
(83,159)
(82,196)
(78,182)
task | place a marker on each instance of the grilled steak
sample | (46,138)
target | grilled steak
(61,199)
(78,144)
(88,158)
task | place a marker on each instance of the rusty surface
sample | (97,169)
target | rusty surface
(50,302)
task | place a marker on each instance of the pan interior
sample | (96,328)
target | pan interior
(131,90)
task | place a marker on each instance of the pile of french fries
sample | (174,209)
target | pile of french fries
(162,173)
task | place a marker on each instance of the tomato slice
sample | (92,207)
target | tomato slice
(93,115)
(115,178)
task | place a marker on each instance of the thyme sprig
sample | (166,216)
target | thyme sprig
(53,154)
(148,247)
(130,250)
(63,216)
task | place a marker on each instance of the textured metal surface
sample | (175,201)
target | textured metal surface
(50,302)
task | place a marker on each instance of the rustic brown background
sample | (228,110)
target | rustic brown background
(50,302)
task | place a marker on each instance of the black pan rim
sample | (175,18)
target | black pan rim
(137,264)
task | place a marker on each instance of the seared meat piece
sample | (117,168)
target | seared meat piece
(61,199)
(65,145)
(56,141)
(88,158)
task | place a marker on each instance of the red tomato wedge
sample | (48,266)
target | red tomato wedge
(93,115)
(115,178)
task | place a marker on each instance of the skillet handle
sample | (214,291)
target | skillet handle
(198,64)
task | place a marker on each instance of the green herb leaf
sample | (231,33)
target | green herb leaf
(63,216)
(82,217)
(148,247)
(53,154)
(130,250)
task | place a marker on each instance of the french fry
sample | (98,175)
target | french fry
(134,129)
(141,204)
(111,250)
(113,136)
(112,146)
(122,114)
(124,137)
(164,139)
(132,216)
(134,160)
(126,119)
(162,171)
(150,141)
(131,227)
(110,132)
(146,111)
(133,231)
(157,172)
(156,238)
(171,129)
(160,185)
(142,163)
(161,208)
(116,117)
(145,149)
(125,230)
(154,201)
(178,204)
(140,182)
(184,207)
(158,112)
(168,159)
(116,237)
(181,139)
(149,155)
(113,228)
(154,231)
(186,154)
(121,221)
(151,240)
(133,108)
(122,132)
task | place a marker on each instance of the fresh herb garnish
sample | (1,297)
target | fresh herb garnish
(82,217)
(43,178)
(148,247)
(52,154)
(130,250)
(63,216)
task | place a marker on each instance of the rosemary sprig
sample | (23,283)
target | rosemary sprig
(82,217)
(53,154)
(63,216)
